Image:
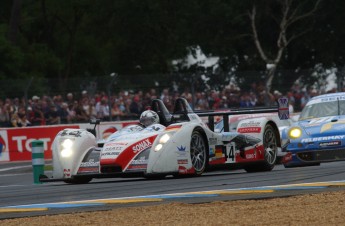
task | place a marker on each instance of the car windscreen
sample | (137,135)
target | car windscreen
(323,109)
(219,127)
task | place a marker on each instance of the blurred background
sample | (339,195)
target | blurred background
(109,58)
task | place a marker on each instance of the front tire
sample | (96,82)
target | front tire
(270,142)
(198,152)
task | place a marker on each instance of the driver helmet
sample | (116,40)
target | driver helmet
(148,118)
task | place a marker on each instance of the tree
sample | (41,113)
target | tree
(14,21)
(291,12)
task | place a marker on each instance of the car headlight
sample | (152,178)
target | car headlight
(295,133)
(66,150)
(163,139)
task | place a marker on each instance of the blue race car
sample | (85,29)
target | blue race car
(319,134)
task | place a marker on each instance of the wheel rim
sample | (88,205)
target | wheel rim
(198,152)
(270,144)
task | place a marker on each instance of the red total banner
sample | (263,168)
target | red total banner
(15,143)
(19,141)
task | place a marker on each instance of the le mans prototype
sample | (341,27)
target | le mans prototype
(181,144)
(319,134)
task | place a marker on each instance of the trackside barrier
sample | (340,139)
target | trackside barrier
(16,142)
(37,160)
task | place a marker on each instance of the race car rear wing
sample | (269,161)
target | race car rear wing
(282,109)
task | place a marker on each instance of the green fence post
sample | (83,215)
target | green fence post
(37,160)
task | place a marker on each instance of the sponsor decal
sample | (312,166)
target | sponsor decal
(136,167)
(116,148)
(138,164)
(287,158)
(67,173)
(116,153)
(307,140)
(142,146)
(219,151)
(212,141)
(88,170)
(249,116)
(283,108)
(250,124)
(230,152)
(330,125)
(211,151)
(141,161)
(334,98)
(107,132)
(330,143)
(181,148)
(116,144)
(181,151)
(153,128)
(249,130)
(89,163)
(184,170)
(251,156)
(169,128)
(182,161)
(75,133)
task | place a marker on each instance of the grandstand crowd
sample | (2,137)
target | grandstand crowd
(125,105)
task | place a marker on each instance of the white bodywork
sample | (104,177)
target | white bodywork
(65,167)
(162,150)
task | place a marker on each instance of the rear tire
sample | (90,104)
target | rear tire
(270,142)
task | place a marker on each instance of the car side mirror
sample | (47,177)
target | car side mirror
(295,118)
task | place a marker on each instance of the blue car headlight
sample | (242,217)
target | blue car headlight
(295,133)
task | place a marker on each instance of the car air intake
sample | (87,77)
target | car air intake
(322,155)
(111,169)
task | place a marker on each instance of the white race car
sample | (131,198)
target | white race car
(182,144)
(246,123)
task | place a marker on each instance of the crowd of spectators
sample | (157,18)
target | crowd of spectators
(125,105)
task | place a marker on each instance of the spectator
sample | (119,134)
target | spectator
(102,109)
(135,107)
(52,116)
(116,112)
(16,104)
(71,113)
(35,100)
(84,95)
(80,113)
(37,117)
(91,112)
(19,119)
(4,114)
(70,98)
(64,114)
(246,101)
